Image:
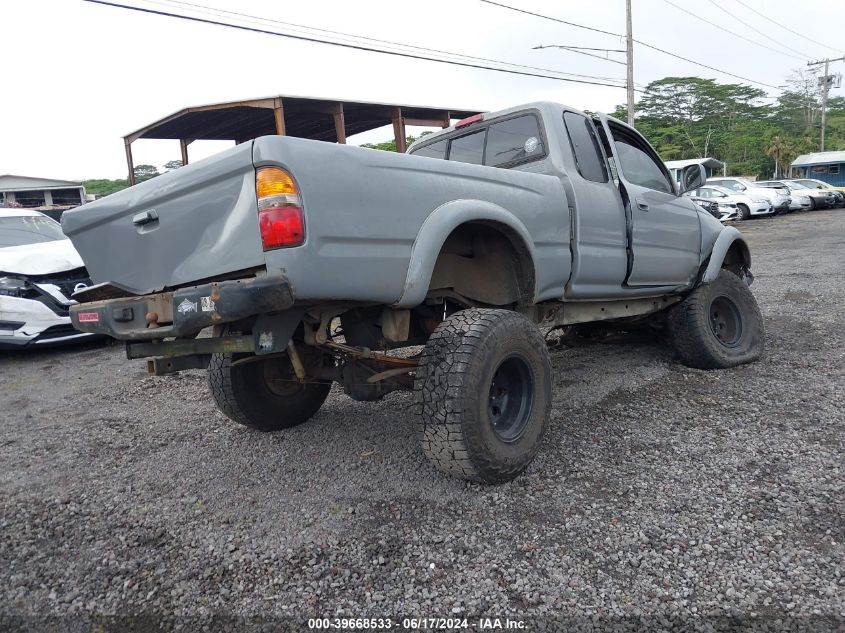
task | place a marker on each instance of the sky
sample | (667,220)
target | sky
(78,76)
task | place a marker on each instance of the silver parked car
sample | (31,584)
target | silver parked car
(819,198)
(779,197)
(803,199)
(747,204)
(813,183)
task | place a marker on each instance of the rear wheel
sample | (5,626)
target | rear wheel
(263,394)
(718,325)
(742,212)
(483,394)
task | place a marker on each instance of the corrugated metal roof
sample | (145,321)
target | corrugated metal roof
(9,182)
(819,158)
(712,163)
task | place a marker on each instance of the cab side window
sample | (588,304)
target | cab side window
(638,166)
(434,150)
(513,141)
(585,147)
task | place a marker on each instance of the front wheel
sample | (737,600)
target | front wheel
(263,394)
(718,325)
(483,394)
(742,212)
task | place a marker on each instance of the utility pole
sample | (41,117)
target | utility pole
(826,81)
(629,49)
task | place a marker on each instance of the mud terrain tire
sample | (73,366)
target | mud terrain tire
(258,395)
(719,325)
(483,394)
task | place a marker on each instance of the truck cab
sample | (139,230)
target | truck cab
(631,230)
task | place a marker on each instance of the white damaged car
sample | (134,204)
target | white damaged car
(39,271)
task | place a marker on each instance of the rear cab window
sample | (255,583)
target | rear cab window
(469,148)
(505,143)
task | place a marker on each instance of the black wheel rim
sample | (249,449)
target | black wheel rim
(280,379)
(726,321)
(511,398)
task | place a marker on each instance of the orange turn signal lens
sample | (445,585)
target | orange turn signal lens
(273,181)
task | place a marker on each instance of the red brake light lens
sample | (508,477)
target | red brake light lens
(475,118)
(281,226)
(280,218)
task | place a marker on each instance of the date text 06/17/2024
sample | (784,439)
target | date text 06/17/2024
(413,624)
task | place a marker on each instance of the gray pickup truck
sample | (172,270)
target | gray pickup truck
(310,262)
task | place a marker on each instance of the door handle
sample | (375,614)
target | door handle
(642,206)
(145,217)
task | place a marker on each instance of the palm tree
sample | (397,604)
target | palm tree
(779,149)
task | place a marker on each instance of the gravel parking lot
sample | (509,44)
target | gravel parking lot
(663,495)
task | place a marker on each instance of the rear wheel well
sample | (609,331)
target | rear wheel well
(486,263)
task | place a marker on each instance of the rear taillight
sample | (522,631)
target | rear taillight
(280,217)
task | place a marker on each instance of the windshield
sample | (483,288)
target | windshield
(810,184)
(28,229)
(797,185)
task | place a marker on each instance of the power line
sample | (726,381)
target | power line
(784,27)
(640,42)
(722,28)
(254,18)
(756,30)
(303,38)
(546,17)
(573,49)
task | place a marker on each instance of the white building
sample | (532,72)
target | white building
(710,165)
(43,194)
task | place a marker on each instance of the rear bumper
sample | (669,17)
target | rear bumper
(183,312)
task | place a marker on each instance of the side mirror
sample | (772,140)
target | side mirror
(692,177)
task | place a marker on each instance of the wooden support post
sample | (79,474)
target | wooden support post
(128,145)
(447,119)
(279,115)
(399,130)
(339,124)
(183,145)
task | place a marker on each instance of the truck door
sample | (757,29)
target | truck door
(599,257)
(664,230)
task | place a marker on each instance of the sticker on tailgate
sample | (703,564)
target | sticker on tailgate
(88,317)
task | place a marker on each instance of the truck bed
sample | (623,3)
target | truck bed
(366,214)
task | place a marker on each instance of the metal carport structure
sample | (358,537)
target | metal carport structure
(305,117)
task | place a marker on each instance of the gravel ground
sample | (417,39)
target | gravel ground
(664,496)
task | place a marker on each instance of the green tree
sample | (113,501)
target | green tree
(102,187)
(145,172)
(172,164)
(388,146)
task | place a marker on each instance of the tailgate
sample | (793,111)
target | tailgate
(193,223)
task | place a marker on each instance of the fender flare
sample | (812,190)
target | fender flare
(438,226)
(727,237)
